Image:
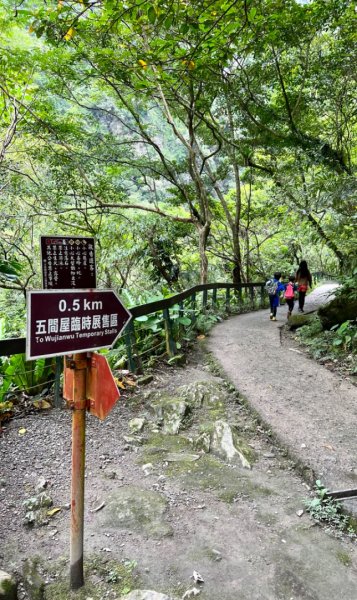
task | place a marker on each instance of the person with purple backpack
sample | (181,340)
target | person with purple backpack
(274,287)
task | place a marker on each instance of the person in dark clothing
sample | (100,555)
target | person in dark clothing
(304,281)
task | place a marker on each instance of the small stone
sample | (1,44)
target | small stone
(136,425)
(145,379)
(8,586)
(197,577)
(161,479)
(148,469)
(269,455)
(303,446)
(41,484)
(299,513)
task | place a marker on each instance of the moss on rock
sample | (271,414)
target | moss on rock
(136,509)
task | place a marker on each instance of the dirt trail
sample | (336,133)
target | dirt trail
(242,530)
(312,410)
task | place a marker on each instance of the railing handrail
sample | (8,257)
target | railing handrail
(18,345)
(151,307)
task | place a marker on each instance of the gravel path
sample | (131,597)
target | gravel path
(312,410)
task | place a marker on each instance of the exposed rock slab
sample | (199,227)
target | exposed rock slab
(146,595)
(170,413)
(136,509)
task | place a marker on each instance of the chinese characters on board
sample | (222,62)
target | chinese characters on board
(68,262)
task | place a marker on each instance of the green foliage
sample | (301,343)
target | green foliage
(328,511)
(345,336)
(348,289)
(28,376)
(205,321)
(338,344)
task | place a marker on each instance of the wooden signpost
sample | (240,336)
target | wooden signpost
(65,319)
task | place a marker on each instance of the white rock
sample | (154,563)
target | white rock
(136,425)
(41,484)
(191,593)
(148,469)
(224,443)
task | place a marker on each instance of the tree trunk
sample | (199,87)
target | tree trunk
(203,233)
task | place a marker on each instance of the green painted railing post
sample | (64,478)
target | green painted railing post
(130,346)
(170,342)
(58,371)
(214,298)
(251,291)
(193,307)
(262,296)
(228,299)
(181,309)
(204,299)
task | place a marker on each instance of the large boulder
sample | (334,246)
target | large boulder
(299,320)
(8,586)
(338,311)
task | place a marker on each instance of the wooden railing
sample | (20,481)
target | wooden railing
(187,304)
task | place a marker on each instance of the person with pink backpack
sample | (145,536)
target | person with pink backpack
(289,294)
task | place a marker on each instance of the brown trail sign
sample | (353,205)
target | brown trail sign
(70,321)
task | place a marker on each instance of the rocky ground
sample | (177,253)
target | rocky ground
(182,481)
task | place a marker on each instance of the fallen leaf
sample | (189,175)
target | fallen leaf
(201,337)
(42,404)
(53,511)
(130,382)
(120,384)
(22,431)
(98,507)
(328,446)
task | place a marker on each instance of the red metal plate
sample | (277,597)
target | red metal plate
(102,391)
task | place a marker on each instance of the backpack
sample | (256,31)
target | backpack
(289,292)
(271,287)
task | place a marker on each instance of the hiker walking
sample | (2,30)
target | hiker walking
(274,287)
(304,281)
(289,294)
